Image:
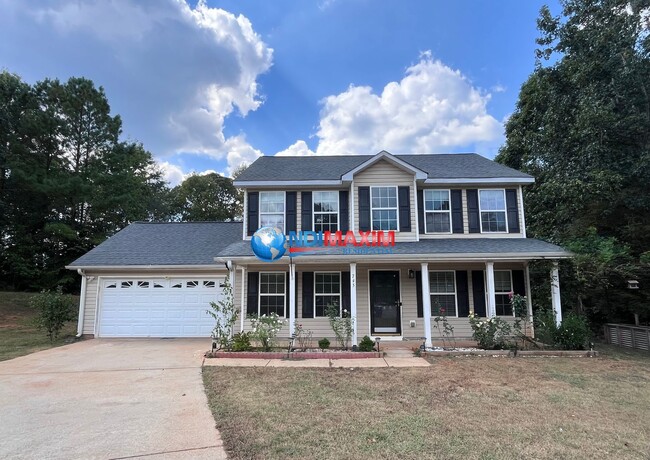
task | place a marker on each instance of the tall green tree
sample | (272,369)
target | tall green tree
(206,197)
(582,128)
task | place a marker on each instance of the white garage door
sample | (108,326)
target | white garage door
(152,307)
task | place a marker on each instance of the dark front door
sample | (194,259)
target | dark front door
(385,306)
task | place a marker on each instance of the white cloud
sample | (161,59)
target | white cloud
(433,108)
(299,148)
(173,72)
(172,174)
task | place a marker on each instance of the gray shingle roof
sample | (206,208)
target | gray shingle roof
(460,246)
(438,166)
(169,243)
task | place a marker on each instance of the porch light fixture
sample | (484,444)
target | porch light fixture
(411,274)
(632,284)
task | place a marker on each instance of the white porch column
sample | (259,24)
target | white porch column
(491,298)
(82,304)
(242,315)
(426,303)
(292,298)
(353,300)
(555,293)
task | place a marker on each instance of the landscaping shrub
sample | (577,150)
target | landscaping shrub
(241,341)
(573,333)
(343,326)
(54,310)
(545,327)
(491,334)
(323,344)
(366,344)
(266,328)
(225,316)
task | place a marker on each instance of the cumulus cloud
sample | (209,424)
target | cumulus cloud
(433,108)
(299,148)
(173,72)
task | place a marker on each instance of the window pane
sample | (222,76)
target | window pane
(326,222)
(323,301)
(443,305)
(272,283)
(493,221)
(502,304)
(384,197)
(326,201)
(385,219)
(493,200)
(272,220)
(441,282)
(272,304)
(328,283)
(271,201)
(436,200)
(438,222)
(502,282)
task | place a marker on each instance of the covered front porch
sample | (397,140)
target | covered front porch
(388,299)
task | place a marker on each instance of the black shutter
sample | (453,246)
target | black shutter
(307,294)
(286,296)
(344,211)
(345,291)
(513,211)
(463,293)
(290,209)
(472,211)
(418,292)
(421,211)
(404,206)
(457,211)
(518,282)
(253,289)
(306,211)
(253,212)
(478,288)
(364,209)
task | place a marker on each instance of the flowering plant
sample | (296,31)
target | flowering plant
(225,316)
(492,333)
(266,328)
(303,337)
(445,329)
(342,325)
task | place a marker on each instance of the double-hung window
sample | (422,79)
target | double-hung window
(272,293)
(272,209)
(492,204)
(383,202)
(502,290)
(443,293)
(326,211)
(327,291)
(437,211)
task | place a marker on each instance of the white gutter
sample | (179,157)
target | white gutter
(143,267)
(483,180)
(82,303)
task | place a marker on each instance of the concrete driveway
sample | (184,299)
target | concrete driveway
(108,399)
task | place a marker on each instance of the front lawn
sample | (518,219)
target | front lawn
(469,408)
(18,334)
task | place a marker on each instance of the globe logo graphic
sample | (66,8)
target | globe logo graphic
(268,244)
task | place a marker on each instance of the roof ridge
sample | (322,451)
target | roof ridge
(189,222)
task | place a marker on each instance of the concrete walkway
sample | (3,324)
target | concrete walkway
(108,399)
(370,362)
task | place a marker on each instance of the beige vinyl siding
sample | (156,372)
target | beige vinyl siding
(90,308)
(384,173)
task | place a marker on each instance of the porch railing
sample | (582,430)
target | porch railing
(626,335)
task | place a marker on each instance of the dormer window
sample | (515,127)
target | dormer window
(326,211)
(492,206)
(383,202)
(272,209)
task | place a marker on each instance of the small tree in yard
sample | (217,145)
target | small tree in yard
(54,310)
(342,325)
(225,314)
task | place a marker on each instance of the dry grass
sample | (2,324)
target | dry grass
(470,408)
(18,334)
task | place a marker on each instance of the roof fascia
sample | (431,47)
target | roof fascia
(283,183)
(483,180)
(142,267)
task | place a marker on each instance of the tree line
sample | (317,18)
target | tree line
(582,129)
(68,181)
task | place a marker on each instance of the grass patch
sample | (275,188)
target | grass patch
(18,333)
(470,408)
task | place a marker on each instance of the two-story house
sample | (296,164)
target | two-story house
(460,247)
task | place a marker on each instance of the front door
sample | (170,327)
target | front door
(385,305)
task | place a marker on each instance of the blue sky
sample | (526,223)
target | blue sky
(209,85)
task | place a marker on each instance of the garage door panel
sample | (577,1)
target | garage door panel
(155,308)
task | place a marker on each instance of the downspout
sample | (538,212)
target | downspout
(82,303)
